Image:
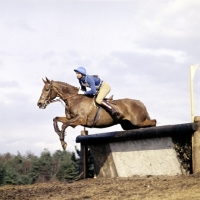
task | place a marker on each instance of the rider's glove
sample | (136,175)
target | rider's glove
(81,92)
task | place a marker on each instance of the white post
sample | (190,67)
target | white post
(192,72)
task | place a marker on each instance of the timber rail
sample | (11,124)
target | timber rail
(144,151)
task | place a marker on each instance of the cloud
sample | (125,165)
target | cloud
(9,84)
(143,49)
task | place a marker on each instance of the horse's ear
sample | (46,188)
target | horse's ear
(44,81)
(48,81)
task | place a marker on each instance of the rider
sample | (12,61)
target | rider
(97,87)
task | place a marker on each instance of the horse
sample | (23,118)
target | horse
(82,110)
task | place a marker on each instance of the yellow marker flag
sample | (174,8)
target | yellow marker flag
(193,69)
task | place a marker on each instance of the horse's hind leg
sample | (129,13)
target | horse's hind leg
(147,123)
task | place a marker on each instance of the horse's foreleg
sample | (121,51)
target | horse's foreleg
(66,122)
(73,123)
(60,132)
(55,124)
(63,143)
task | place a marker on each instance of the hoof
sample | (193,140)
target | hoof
(154,122)
(64,144)
(84,132)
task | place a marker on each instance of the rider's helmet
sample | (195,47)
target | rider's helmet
(81,70)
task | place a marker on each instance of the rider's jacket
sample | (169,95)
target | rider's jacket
(92,82)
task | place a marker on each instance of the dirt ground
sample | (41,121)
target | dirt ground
(141,188)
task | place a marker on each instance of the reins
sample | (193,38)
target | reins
(61,100)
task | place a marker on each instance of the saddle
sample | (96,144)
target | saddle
(109,98)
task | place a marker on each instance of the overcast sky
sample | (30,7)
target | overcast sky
(142,48)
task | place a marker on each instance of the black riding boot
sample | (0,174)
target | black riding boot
(109,108)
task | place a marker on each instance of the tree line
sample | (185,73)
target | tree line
(29,169)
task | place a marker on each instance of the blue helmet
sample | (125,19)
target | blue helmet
(81,70)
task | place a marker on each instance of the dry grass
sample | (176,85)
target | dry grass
(145,188)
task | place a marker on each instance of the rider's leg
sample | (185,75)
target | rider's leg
(109,108)
(104,90)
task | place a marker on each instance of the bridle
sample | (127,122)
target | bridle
(48,99)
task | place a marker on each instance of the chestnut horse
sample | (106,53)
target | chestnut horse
(81,110)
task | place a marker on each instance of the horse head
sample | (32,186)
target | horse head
(48,94)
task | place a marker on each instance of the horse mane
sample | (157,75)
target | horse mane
(66,85)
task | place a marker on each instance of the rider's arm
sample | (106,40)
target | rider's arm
(82,87)
(91,82)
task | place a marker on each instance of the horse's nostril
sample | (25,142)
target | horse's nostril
(39,104)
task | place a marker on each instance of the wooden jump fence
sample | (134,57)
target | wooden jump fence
(145,151)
